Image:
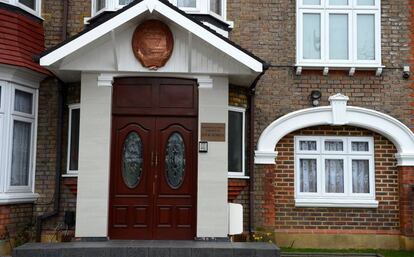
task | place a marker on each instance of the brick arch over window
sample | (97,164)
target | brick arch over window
(338,113)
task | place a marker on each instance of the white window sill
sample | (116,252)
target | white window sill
(336,203)
(70,175)
(11,198)
(351,67)
(238,177)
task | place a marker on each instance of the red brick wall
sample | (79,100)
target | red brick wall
(406,175)
(14,218)
(275,199)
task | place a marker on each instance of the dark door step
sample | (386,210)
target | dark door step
(293,254)
(147,249)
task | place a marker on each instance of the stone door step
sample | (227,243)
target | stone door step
(147,249)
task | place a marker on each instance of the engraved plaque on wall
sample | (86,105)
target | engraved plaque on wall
(213,132)
(152,43)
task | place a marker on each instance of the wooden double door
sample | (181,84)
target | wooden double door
(154,161)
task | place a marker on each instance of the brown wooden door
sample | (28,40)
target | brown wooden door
(153,163)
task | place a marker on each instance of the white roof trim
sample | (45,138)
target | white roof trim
(338,113)
(166,11)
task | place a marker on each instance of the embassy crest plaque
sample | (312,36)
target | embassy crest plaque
(152,44)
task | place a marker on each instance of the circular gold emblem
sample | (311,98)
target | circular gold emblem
(152,43)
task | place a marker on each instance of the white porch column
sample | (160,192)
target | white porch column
(94,158)
(212,166)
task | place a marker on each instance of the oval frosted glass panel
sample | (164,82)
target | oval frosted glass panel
(132,160)
(175,161)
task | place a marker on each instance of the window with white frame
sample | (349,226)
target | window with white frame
(18,106)
(334,171)
(343,33)
(31,6)
(73,139)
(213,7)
(236,142)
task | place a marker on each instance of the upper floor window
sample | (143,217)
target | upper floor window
(213,7)
(345,33)
(31,6)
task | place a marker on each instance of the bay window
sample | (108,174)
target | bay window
(236,142)
(31,6)
(213,7)
(17,142)
(334,172)
(339,33)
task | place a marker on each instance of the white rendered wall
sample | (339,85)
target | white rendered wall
(94,159)
(94,162)
(212,166)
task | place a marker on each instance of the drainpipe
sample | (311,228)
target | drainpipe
(252,91)
(56,197)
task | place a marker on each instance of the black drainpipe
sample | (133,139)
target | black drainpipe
(56,197)
(252,91)
(59,128)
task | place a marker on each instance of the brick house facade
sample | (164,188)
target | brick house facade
(268,29)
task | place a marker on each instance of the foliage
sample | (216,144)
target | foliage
(260,235)
(24,235)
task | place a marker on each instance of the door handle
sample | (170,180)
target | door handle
(152,158)
(156,160)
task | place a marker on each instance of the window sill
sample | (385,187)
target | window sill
(70,175)
(336,203)
(238,177)
(352,68)
(12,198)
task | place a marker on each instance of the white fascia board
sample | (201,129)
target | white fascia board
(166,11)
(93,34)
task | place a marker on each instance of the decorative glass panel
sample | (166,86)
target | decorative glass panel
(29,3)
(338,2)
(338,36)
(125,2)
(23,102)
(360,147)
(308,176)
(0,98)
(311,36)
(235,143)
(334,176)
(307,145)
(311,2)
(334,145)
(366,37)
(360,176)
(74,140)
(215,6)
(187,3)
(132,160)
(366,2)
(20,168)
(175,161)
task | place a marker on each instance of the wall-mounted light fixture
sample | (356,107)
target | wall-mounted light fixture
(315,97)
(406,72)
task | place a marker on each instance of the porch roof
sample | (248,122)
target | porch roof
(53,57)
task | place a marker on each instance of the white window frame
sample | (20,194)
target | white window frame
(202,7)
(8,193)
(36,11)
(323,199)
(352,9)
(70,172)
(242,174)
